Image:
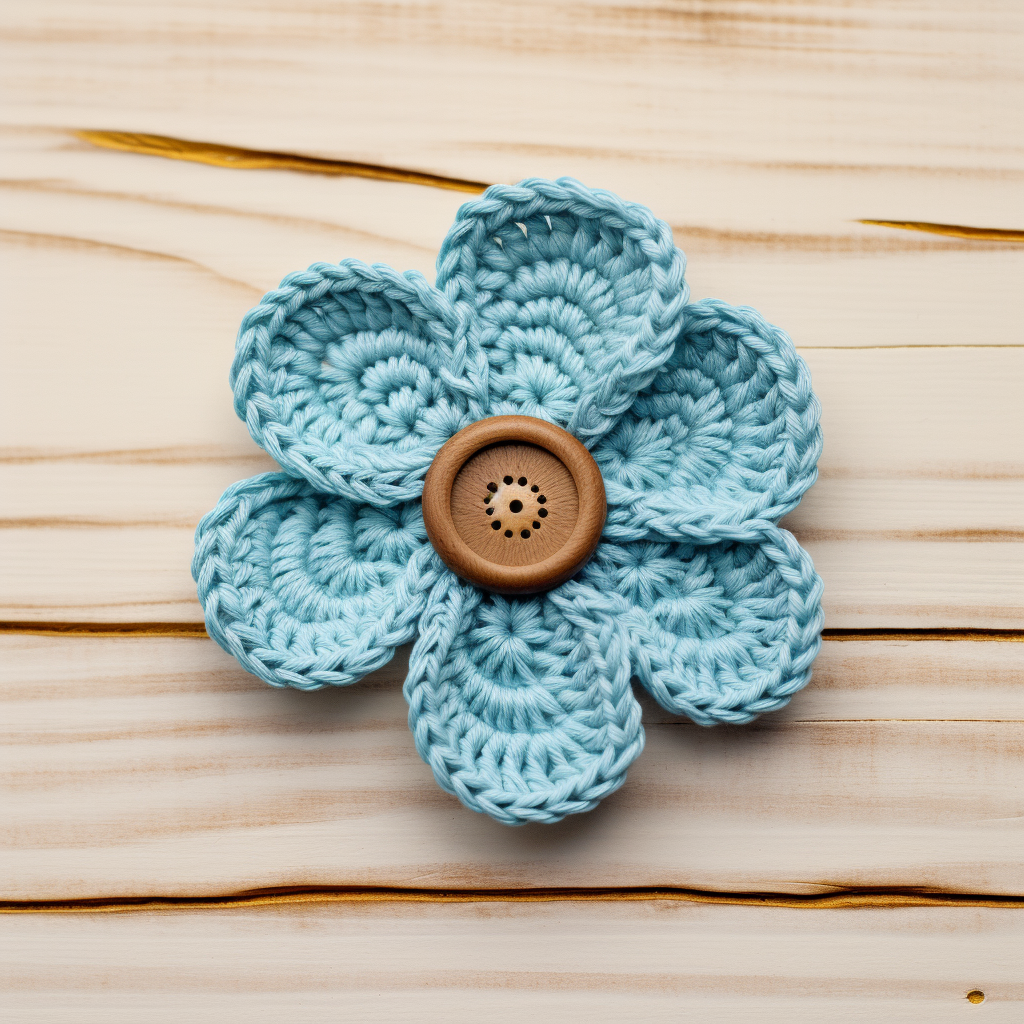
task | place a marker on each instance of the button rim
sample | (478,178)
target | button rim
(514,579)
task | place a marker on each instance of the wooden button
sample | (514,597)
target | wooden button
(514,504)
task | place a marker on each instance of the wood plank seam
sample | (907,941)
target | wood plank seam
(194,630)
(844,898)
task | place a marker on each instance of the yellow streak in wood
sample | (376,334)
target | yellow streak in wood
(255,159)
(952,230)
(840,900)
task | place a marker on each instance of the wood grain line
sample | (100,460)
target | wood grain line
(239,158)
(952,230)
(844,898)
(192,630)
(97,522)
(307,223)
(93,245)
(180,455)
(724,241)
(93,522)
(804,534)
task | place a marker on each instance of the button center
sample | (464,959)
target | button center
(518,516)
(502,508)
(514,504)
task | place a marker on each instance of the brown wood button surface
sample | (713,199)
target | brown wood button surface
(514,504)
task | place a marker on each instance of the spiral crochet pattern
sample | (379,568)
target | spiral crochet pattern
(569,304)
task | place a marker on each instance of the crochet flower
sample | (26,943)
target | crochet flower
(568,304)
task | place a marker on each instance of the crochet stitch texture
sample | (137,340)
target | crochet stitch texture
(569,304)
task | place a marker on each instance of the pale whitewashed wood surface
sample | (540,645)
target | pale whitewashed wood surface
(812,110)
(156,765)
(766,133)
(595,963)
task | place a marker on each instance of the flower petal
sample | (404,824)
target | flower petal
(721,632)
(348,376)
(523,710)
(306,589)
(574,295)
(728,432)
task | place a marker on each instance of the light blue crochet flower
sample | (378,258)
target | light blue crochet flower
(560,302)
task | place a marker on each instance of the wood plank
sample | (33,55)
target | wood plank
(164,487)
(586,962)
(830,283)
(140,573)
(124,423)
(125,364)
(782,107)
(897,584)
(157,766)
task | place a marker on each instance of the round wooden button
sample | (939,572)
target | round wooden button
(514,504)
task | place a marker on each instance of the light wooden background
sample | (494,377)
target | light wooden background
(182,842)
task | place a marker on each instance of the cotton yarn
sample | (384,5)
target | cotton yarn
(569,304)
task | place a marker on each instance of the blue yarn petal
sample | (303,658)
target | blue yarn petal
(309,590)
(728,432)
(720,632)
(575,295)
(522,709)
(352,377)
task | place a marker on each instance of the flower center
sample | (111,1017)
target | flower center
(514,504)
